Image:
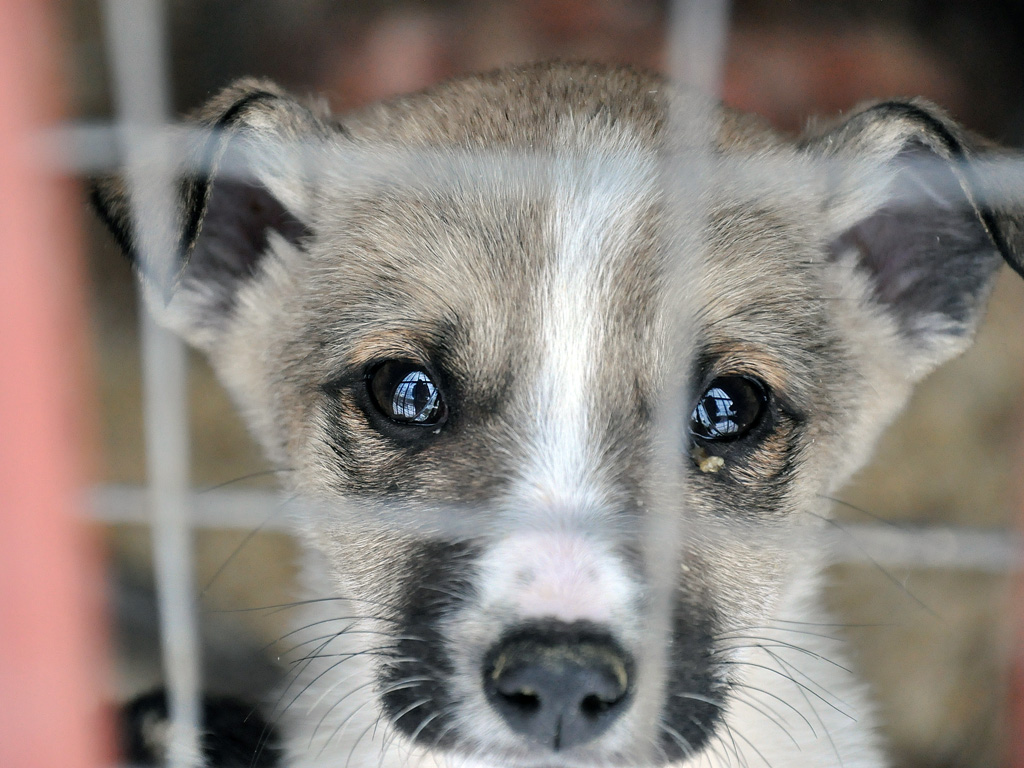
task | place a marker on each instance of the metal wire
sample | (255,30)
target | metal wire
(135,33)
(666,523)
(929,547)
(698,35)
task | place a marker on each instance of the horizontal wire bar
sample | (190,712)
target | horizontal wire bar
(949,547)
(228,509)
(94,148)
(81,148)
(927,547)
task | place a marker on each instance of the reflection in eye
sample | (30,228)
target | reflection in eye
(716,412)
(404,392)
(728,408)
(415,398)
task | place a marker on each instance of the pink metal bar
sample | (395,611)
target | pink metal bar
(51,658)
(1016,683)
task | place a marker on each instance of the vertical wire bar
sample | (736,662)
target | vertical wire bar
(697,43)
(698,33)
(135,32)
(51,658)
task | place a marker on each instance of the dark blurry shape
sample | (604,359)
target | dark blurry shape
(792,60)
(786,60)
(235,735)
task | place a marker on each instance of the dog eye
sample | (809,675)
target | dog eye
(729,408)
(405,392)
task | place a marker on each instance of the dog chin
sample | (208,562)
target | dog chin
(587,759)
(686,742)
(483,757)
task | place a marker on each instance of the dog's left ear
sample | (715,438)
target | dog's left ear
(923,210)
(246,177)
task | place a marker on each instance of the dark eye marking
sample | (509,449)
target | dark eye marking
(729,408)
(406,393)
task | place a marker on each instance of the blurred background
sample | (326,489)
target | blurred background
(934,643)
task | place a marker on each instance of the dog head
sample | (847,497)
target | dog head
(567,363)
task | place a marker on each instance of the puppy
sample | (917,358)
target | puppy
(565,363)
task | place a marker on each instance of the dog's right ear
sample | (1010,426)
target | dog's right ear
(244,183)
(924,213)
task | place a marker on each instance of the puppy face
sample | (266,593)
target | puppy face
(566,389)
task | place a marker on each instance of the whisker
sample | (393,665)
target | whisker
(386,742)
(795,670)
(297,630)
(750,744)
(335,706)
(446,592)
(740,757)
(426,721)
(277,606)
(775,643)
(248,536)
(334,733)
(243,478)
(781,700)
(723,753)
(398,686)
(655,743)
(699,697)
(866,512)
(382,652)
(881,569)
(678,738)
(274,716)
(801,690)
(330,668)
(767,715)
(309,601)
(406,710)
(349,632)
(791,679)
(328,638)
(448,729)
(771,628)
(835,624)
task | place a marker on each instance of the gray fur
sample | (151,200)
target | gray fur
(515,234)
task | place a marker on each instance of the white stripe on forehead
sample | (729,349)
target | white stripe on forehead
(597,199)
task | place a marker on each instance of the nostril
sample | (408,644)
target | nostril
(525,700)
(594,705)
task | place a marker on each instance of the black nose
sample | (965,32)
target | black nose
(558,684)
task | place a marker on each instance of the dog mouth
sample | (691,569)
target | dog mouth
(547,692)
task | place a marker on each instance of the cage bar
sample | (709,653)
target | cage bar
(135,35)
(698,35)
(1015,684)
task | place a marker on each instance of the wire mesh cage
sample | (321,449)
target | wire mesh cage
(202,547)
